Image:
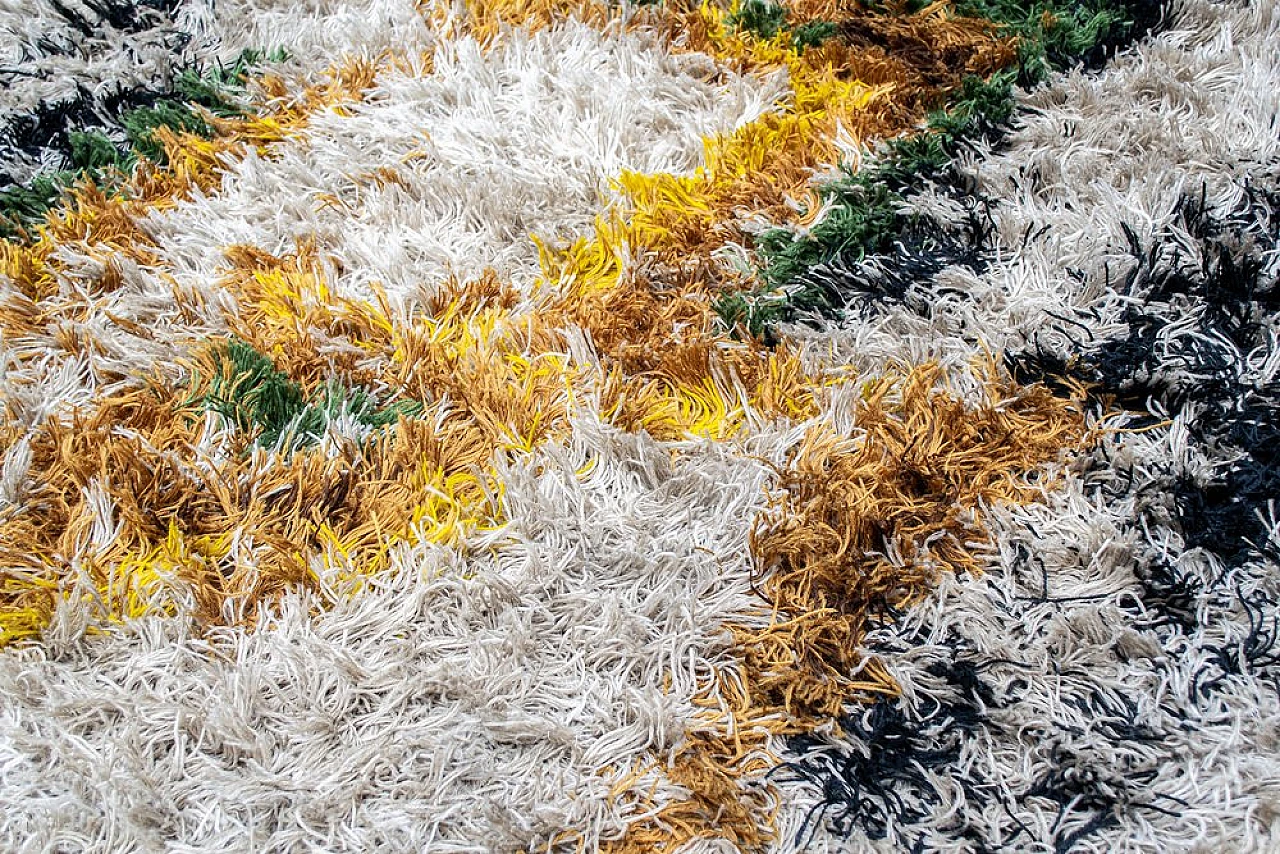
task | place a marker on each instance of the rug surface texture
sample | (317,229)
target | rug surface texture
(692,426)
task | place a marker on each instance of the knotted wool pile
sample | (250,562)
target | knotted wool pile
(556,425)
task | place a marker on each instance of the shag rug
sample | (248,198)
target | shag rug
(557,425)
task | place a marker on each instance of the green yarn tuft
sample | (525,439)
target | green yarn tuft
(251,392)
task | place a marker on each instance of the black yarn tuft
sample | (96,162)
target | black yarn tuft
(125,16)
(881,781)
(881,777)
(1145,17)
(51,125)
(1223,297)
(905,272)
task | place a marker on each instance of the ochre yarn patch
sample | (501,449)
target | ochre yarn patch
(858,526)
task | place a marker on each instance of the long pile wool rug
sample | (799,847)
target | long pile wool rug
(556,425)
